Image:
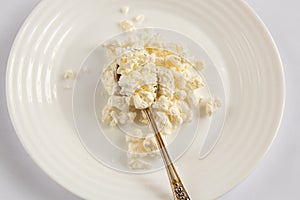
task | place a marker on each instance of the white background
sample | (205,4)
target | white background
(277,177)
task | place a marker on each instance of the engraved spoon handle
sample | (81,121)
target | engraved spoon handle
(179,191)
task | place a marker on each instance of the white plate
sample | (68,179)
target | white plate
(59,35)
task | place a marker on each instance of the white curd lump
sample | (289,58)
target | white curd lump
(148,77)
(124,10)
(69,75)
(139,18)
(127,25)
(212,105)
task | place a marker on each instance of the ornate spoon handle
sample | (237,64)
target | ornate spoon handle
(179,191)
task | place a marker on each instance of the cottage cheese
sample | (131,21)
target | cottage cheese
(150,77)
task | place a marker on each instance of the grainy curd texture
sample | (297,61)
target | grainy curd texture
(151,73)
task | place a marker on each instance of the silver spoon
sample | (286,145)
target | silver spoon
(178,188)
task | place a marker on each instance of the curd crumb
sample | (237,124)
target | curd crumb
(69,74)
(212,106)
(139,18)
(124,10)
(127,25)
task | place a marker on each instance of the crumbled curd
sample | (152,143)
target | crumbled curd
(153,78)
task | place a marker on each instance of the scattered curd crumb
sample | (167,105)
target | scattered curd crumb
(127,25)
(139,18)
(212,106)
(124,10)
(69,74)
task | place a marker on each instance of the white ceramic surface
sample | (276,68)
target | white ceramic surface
(59,34)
